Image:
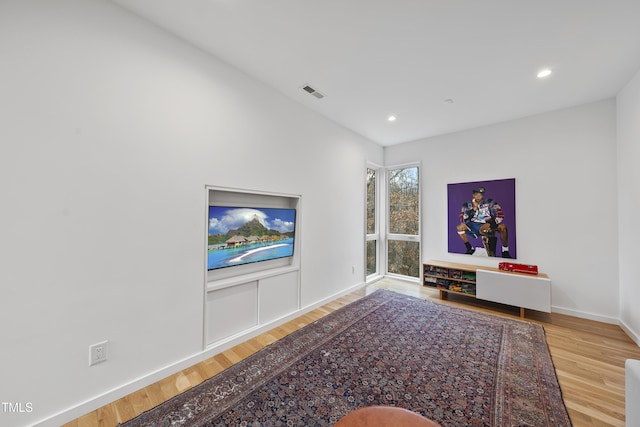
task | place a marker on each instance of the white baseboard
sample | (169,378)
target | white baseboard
(123,390)
(585,315)
(599,318)
(632,334)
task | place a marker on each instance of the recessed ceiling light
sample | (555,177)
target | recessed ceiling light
(544,73)
(391,118)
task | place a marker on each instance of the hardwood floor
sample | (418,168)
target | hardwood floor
(588,356)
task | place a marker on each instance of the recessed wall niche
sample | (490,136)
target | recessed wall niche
(252,260)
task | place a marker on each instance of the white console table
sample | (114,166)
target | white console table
(522,290)
(527,291)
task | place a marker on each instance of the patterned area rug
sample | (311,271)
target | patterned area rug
(454,366)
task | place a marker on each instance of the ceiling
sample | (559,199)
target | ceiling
(439,66)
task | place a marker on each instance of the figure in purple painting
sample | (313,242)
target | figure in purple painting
(483,218)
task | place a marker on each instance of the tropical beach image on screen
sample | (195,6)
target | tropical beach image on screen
(242,235)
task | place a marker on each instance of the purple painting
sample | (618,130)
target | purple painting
(482,218)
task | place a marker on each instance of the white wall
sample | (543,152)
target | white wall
(628,112)
(564,163)
(110,131)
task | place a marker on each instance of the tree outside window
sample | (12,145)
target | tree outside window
(403,244)
(372,229)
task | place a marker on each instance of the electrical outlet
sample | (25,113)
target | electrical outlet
(98,353)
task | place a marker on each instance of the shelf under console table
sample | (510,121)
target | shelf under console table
(527,291)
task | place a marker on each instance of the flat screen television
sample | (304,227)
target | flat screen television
(244,235)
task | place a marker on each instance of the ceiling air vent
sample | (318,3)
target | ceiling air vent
(312,91)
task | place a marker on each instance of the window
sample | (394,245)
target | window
(403,230)
(372,252)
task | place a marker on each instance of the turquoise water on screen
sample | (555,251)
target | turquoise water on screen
(228,257)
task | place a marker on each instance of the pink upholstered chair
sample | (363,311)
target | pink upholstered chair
(387,416)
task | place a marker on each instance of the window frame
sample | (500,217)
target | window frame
(388,237)
(376,236)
